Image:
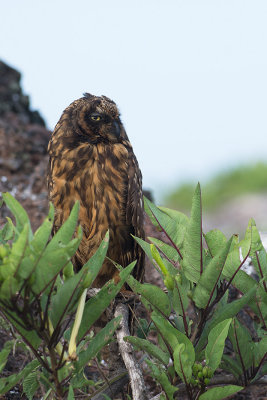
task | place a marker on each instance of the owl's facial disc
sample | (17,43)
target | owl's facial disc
(103,123)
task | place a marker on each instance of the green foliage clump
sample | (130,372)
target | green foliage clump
(192,316)
(45,302)
(223,187)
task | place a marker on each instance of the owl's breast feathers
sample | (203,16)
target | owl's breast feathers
(106,180)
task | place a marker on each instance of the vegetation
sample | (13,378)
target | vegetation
(193,317)
(223,187)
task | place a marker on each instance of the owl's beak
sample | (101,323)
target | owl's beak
(116,130)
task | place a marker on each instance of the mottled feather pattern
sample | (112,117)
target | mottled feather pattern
(92,160)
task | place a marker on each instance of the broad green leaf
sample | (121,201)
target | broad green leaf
(216,342)
(29,336)
(151,295)
(242,343)
(233,261)
(18,211)
(97,343)
(220,393)
(173,230)
(215,240)
(260,349)
(69,292)
(7,232)
(262,264)
(8,383)
(30,384)
(180,299)
(231,365)
(42,234)
(149,348)
(209,279)
(65,232)
(181,221)
(161,377)
(227,311)
(256,244)
(97,304)
(9,288)
(171,335)
(145,246)
(15,256)
(166,249)
(4,353)
(193,247)
(52,262)
(71,393)
(183,361)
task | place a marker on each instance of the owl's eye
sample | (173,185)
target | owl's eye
(95,117)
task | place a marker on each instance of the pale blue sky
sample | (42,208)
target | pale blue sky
(190,77)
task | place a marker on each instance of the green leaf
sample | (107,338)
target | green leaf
(4,353)
(51,263)
(165,248)
(29,336)
(97,343)
(161,377)
(30,384)
(8,383)
(260,349)
(215,240)
(7,232)
(71,394)
(173,229)
(179,296)
(171,335)
(18,250)
(149,348)
(9,288)
(184,359)
(68,294)
(262,264)
(209,279)
(151,295)
(65,232)
(230,365)
(256,244)
(97,304)
(18,211)
(42,234)
(242,343)
(227,311)
(216,342)
(145,246)
(219,393)
(193,247)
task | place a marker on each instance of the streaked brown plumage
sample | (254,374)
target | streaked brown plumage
(92,160)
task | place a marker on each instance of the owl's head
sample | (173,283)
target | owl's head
(95,118)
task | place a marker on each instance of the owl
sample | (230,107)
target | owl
(91,160)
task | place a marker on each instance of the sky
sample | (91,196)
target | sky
(189,76)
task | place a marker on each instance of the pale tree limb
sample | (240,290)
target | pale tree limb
(135,374)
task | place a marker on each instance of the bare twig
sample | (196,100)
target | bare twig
(126,350)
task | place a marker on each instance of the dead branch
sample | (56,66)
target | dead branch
(127,353)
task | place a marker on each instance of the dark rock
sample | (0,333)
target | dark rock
(23,148)
(11,97)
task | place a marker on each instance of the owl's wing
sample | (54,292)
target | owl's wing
(135,212)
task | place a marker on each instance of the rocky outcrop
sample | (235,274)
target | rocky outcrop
(23,148)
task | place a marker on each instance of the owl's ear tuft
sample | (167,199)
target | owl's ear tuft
(88,95)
